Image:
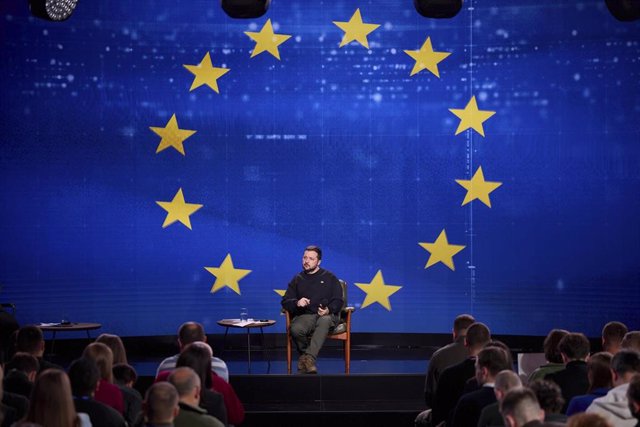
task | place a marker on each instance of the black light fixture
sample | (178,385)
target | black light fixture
(438,8)
(624,10)
(52,10)
(245,9)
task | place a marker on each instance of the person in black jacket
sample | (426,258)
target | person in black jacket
(314,298)
(573,379)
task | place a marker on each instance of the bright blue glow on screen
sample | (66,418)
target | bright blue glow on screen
(333,146)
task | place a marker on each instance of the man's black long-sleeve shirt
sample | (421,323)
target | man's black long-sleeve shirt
(322,287)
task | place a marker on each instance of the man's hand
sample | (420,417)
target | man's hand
(303,302)
(323,311)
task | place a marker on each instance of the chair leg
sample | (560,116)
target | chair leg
(347,354)
(288,353)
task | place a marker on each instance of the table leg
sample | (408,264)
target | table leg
(249,349)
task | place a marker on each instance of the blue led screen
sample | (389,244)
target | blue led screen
(338,146)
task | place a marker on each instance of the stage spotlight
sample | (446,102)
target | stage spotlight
(438,8)
(624,10)
(52,10)
(244,9)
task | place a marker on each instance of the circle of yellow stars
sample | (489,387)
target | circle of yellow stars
(355,30)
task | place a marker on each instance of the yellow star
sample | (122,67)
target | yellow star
(267,40)
(441,251)
(426,58)
(478,188)
(471,117)
(172,136)
(377,291)
(227,275)
(280,291)
(356,30)
(206,74)
(178,210)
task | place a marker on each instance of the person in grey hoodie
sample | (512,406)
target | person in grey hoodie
(615,405)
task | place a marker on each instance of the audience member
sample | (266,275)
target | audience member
(490,362)
(612,335)
(21,374)
(550,400)
(614,405)
(13,406)
(84,376)
(107,392)
(600,382)
(8,415)
(631,341)
(51,403)
(117,347)
(188,385)
(446,356)
(633,397)
(8,326)
(161,405)
(30,340)
(520,408)
(551,354)
(505,380)
(452,381)
(573,379)
(588,420)
(188,333)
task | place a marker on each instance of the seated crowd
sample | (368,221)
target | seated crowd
(471,381)
(191,388)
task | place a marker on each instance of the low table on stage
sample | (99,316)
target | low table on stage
(248,325)
(67,327)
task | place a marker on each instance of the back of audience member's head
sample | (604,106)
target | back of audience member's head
(551,352)
(494,360)
(574,346)
(599,371)
(124,374)
(549,396)
(191,332)
(590,419)
(161,403)
(503,346)
(505,381)
(612,335)
(631,340)
(24,362)
(478,335)
(624,364)
(51,403)
(197,356)
(84,376)
(29,339)
(117,347)
(461,324)
(185,380)
(103,357)
(633,396)
(520,406)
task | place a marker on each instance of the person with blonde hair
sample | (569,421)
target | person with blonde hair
(117,347)
(588,420)
(107,392)
(51,403)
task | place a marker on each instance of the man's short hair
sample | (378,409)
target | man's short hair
(599,369)
(160,401)
(575,346)
(83,376)
(521,404)
(551,352)
(478,335)
(29,339)
(626,361)
(631,340)
(185,380)
(613,332)
(124,374)
(506,380)
(549,396)
(494,359)
(191,332)
(315,249)
(23,362)
(462,323)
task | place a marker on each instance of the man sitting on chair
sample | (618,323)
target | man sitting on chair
(314,299)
